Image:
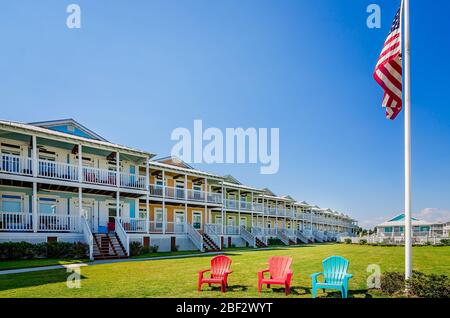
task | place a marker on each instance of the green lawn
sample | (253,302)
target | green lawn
(5,265)
(178,277)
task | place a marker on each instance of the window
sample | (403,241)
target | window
(11,203)
(197,220)
(243,222)
(179,190)
(218,220)
(197,191)
(142,213)
(159,219)
(48,205)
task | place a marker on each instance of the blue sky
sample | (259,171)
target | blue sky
(138,69)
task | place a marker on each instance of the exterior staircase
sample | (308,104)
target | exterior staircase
(259,243)
(108,246)
(285,239)
(208,244)
(251,238)
(301,237)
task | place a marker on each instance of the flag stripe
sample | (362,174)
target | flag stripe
(388,71)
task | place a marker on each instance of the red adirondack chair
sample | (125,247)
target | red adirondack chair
(220,269)
(280,273)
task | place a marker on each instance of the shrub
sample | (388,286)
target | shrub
(25,250)
(274,241)
(348,241)
(429,286)
(363,242)
(420,285)
(445,242)
(392,283)
(175,248)
(135,249)
(154,248)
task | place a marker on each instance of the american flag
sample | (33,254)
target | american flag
(388,72)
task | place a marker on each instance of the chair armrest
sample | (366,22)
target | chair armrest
(315,275)
(348,276)
(200,273)
(261,273)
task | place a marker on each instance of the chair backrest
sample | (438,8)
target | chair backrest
(334,269)
(219,265)
(279,266)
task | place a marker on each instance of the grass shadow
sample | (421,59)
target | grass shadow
(34,279)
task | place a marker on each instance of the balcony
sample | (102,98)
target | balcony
(23,222)
(156,227)
(245,206)
(69,172)
(157,190)
(214,197)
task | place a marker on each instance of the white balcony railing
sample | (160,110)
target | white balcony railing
(99,176)
(231,204)
(133,181)
(156,190)
(232,230)
(175,193)
(195,195)
(175,228)
(59,223)
(57,170)
(246,206)
(258,207)
(214,197)
(134,225)
(16,164)
(15,221)
(156,227)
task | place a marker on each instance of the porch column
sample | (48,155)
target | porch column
(118,204)
(80,163)
(117,169)
(164,201)
(185,203)
(186,217)
(239,211)
(221,207)
(252,207)
(206,190)
(147,199)
(34,157)
(80,201)
(35,208)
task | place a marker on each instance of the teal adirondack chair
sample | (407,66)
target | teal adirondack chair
(335,276)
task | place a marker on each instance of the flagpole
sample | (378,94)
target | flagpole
(407,97)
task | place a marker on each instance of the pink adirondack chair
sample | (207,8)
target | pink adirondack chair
(220,269)
(280,273)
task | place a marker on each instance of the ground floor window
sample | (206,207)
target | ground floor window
(197,220)
(11,203)
(47,205)
(243,222)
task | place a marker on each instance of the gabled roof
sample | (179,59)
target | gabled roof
(174,161)
(230,179)
(401,217)
(269,192)
(45,133)
(69,126)
(288,197)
